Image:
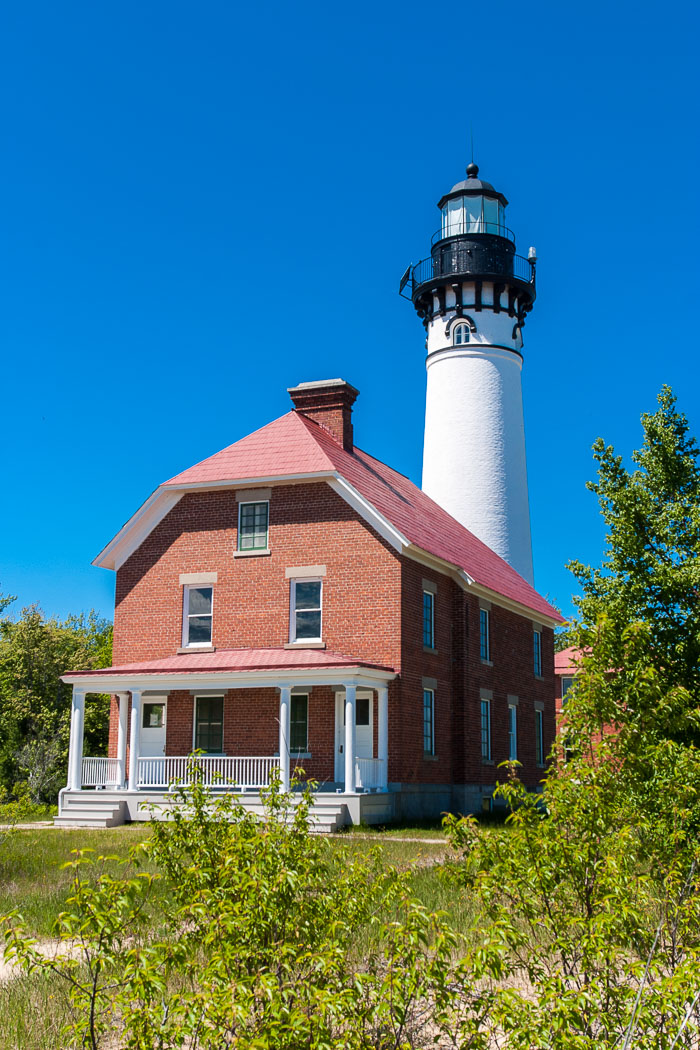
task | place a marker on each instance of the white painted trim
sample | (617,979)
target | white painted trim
(137,528)
(369,512)
(186,643)
(236,483)
(363,677)
(293,581)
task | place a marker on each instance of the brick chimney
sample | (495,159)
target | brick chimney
(328,402)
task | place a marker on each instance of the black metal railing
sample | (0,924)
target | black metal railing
(462,228)
(462,261)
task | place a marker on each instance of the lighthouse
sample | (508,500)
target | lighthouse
(473,293)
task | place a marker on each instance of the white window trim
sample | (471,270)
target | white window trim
(456,328)
(427,689)
(186,643)
(253,550)
(209,696)
(293,612)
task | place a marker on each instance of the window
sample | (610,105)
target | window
(153,716)
(305,611)
(429,619)
(197,616)
(252,526)
(209,724)
(429,721)
(460,334)
(299,723)
(484,641)
(537,651)
(539,737)
(512,732)
(566,684)
(486,730)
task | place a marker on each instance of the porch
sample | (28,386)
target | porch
(150,761)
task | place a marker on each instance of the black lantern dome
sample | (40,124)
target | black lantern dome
(473,243)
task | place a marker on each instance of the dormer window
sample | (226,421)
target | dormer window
(460,334)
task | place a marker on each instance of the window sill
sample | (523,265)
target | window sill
(300,754)
(427,757)
(305,645)
(430,649)
(196,649)
(487,663)
(487,762)
(251,554)
(539,678)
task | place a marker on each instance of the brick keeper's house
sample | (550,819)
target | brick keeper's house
(293,602)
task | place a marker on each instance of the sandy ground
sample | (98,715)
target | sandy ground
(49,949)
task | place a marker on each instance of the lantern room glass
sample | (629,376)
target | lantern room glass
(474,214)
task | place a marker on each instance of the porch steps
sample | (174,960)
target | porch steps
(90,811)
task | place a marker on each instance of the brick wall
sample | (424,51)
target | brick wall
(309,524)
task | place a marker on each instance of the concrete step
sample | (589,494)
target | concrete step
(89,814)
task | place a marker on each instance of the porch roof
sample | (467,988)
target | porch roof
(268,665)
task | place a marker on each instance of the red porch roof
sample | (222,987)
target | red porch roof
(236,660)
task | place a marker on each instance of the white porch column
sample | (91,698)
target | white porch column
(121,738)
(134,739)
(75,749)
(383,734)
(285,714)
(350,691)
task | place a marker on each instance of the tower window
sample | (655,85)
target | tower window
(460,334)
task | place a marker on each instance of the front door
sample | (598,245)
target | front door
(153,727)
(364,730)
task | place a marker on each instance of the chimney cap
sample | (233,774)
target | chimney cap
(323,384)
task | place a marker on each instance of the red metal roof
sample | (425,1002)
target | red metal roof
(567,661)
(236,660)
(294,444)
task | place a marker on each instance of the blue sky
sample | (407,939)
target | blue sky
(201,205)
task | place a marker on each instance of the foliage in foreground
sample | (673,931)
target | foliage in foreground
(264,940)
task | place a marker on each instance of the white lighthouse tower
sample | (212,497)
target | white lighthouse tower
(473,293)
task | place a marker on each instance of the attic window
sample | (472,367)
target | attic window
(253,520)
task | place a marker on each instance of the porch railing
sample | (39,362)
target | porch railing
(211,770)
(100,772)
(369,773)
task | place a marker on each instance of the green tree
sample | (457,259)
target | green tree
(34,703)
(651,569)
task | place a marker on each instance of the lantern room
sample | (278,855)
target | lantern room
(473,206)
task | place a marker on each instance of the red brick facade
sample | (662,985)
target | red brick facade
(372,610)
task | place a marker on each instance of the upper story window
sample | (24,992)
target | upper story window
(305,610)
(566,684)
(537,652)
(428,619)
(197,616)
(429,721)
(484,635)
(460,334)
(253,521)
